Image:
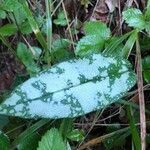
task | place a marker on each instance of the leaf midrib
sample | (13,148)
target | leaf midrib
(73,86)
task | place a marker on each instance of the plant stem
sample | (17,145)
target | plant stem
(141,96)
(49,25)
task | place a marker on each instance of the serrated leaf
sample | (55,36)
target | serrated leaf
(89,44)
(134,18)
(4,141)
(96,35)
(98,28)
(71,88)
(52,140)
(8,30)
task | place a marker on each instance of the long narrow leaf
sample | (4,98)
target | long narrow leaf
(71,88)
(110,49)
(30,131)
(34,26)
(135,135)
(129,44)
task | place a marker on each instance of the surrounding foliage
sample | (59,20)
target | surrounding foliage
(70,76)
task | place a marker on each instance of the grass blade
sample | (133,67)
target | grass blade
(28,132)
(112,46)
(134,132)
(129,44)
(36,31)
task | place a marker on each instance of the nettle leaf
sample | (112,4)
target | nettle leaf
(71,88)
(52,140)
(96,35)
(134,18)
(89,44)
(98,28)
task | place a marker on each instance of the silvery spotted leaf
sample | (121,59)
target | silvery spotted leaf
(71,88)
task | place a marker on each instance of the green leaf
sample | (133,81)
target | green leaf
(148,138)
(96,35)
(52,140)
(66,127)
(60,51)
(37,52)
(147,13)
(113,48)
(34,25)
(61,20)
(18,16)
(129,44)
(146,68)
(147,17)
(8,30)
(27,134)
(11,5)
(2,14)
(75,135)
(89,44)
(4,141)
(134,131)
(27,58)
(98,28)
(71,88)
(116,141)
(24,53)
(117,51)
(31,142)
(25,28)
(134,18)
(85,3)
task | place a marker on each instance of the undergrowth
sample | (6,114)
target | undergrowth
(67,74)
